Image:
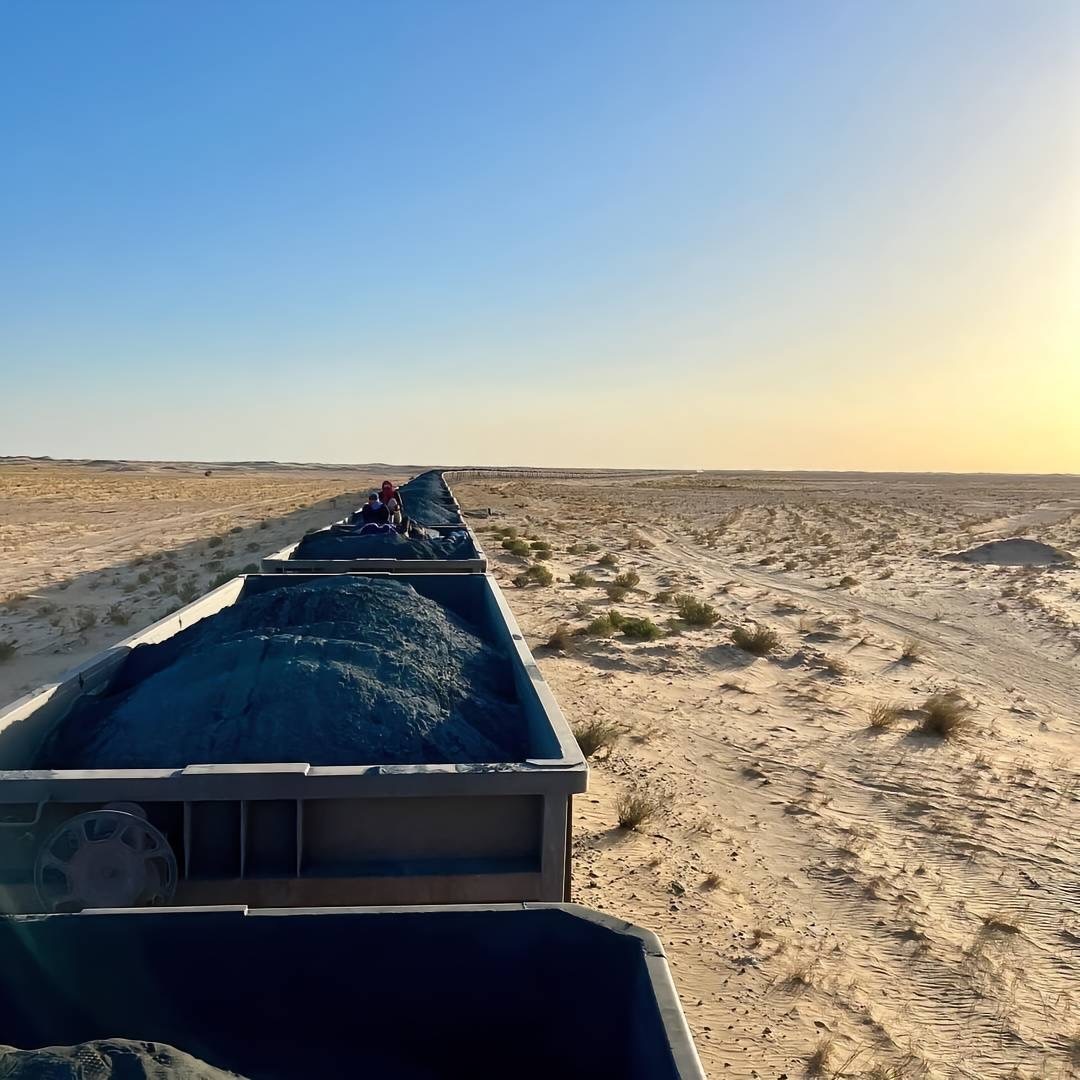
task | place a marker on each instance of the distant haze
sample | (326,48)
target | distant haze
(835,235)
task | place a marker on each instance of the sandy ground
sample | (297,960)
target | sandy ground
(89,554)
(903,904)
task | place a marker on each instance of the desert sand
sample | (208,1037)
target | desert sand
(836,898)
(91,552)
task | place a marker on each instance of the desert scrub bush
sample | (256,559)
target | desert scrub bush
(252,545)
(581,579)
(595,734)
(883,714)
(945,716)
(605,625)
(664,596)
(85,619)
(591,547)
(758,640)
(637,805)
(535,575)
(817,1064)
(236,529)
(628,579)
(543,553)
(187,591)
(117,616)
(695,612)
(562,637)
(616,592)
(583,610)
(517,547)
(7,649)
(576,548)
(264,524)
(144,578)
(608,559)
(835,665)
(911,650)
(640,629)
(847,581)
(540,545)
(215,541)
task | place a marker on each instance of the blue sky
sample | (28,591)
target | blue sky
(774,234)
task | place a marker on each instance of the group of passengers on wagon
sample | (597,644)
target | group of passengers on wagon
(383,512)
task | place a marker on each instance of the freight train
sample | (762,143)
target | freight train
(430,829)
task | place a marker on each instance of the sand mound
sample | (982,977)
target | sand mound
(106,1059)
(341,671)
(1012,551)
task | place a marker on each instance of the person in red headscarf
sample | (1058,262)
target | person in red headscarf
(390,498)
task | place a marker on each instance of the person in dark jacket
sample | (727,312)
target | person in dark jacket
(375,512)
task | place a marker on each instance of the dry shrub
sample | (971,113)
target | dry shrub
(535,575)
(945,716)
(629,579)
(818,1062)
(595,734)
(834,665)
(616,592)
(7,649)
(847,581)
(695,612)
(804,973)
(911,650)
(187,591)
(637,805)
(582,580)
(605,625)
(664,596)
(117,616)
(883,714)
(517,547)
(562,638)
(608,560)
(993,924)
(757,640)
(641,629)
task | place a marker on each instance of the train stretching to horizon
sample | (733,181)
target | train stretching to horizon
(458,870)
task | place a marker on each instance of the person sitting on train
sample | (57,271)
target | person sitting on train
(375,512)
(394,509)
(388,492)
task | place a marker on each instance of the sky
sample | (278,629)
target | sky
(805,234)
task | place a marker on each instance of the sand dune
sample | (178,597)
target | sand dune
(1013,551)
